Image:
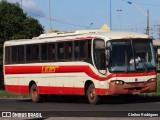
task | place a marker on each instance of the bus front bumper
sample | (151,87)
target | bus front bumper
(119,87)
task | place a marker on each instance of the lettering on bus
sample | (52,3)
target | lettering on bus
(49,69)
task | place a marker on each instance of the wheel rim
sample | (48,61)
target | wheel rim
(34,94)
(92,94)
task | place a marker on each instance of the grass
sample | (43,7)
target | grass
(4,94)
(153,94)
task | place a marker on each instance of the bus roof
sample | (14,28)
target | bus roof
(77,35)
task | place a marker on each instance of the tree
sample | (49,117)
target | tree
(15,24)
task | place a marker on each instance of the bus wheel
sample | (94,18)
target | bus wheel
(93,98)
(34,94)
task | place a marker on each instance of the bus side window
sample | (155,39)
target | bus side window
(20,54)
(89,49)
(32,53)
(76,49)
(7,55)
(68,50)
(44,51)
(60,51)
(35,53)
(99,54)
(51,52)
(82,49)
(28,53)
(14,54)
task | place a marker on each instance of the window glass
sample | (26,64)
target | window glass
(68,50)
(21,54)
(60,52)
(99,54)
(76,49)
(35,52)
(144,54)
(44,51)
(14,54)
(51,51)
(28,52)
(32,53)
(132,55)
(82,49)
(7,55)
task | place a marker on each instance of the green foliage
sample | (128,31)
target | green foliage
(15,24)
(4,94)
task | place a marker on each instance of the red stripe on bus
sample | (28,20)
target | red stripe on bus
(52,90)
(68,69)
(17,89)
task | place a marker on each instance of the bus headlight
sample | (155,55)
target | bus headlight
(152,80)
(118,82)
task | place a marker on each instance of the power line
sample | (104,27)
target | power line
(144,3)
(147,4)
(56,20)
(67,23)
(60,21)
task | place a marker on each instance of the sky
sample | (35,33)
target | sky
(69,15)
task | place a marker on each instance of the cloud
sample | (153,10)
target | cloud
(30,7)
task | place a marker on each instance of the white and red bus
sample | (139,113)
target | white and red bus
(92,63)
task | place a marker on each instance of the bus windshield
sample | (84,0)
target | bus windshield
(132,55)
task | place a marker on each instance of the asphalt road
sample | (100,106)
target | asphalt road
(57,106)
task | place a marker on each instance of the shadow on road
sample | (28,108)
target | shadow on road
(125,99)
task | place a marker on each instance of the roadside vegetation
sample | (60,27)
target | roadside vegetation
(154,94)
(15,23)
(4,94)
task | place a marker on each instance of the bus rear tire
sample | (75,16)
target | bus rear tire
(34,94)
(91,94)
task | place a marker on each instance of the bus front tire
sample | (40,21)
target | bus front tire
(34,94)
(91,94)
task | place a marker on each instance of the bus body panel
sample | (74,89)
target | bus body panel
(67,82)
(70,77)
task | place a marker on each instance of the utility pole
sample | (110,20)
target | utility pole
(21,3)
(144,13)
(49,16)
(110,15)
(147,30)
